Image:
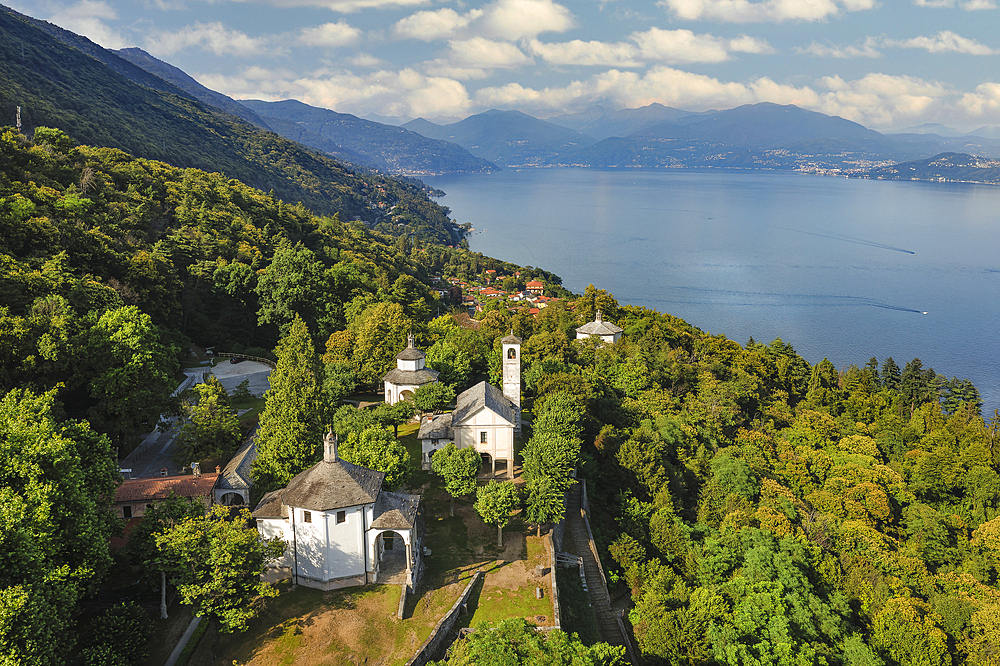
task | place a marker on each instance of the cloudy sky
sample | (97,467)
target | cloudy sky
(887,64)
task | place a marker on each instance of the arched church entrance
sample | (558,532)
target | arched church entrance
(232,499)
(406,395)
(392,552)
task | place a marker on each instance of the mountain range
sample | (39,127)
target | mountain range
(150,108)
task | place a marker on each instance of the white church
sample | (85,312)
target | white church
(341,528)
(485,417)
(409,374)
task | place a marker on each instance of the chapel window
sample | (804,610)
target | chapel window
(307,516)
(341,517)
(484,437)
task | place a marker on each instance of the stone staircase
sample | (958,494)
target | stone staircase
(596,587)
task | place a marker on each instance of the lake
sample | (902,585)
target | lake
(843,269)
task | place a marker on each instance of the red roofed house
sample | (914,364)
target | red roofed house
(134,495)
(535,287)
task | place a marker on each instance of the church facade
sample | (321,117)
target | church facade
(339,524)
(485,418)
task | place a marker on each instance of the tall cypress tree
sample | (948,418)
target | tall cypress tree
(288,440)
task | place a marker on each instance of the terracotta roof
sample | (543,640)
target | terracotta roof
(395,511)
(162,487)
(482,395)
(534,284)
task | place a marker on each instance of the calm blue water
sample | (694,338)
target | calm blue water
(843,269)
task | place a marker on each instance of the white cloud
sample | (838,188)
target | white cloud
(88,18)
(679,46)
(747,44)
(342,6)
(881,100)
(652,46)
(868,49)
(330,35)
(365,61)
(429,26)
(213,37)
(520,19)
(984,101)
(945,41)
(403,93)
(968,5)
(771,11)
(482,53)
(581,53)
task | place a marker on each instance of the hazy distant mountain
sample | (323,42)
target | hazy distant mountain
(509,138)
(386,147)
(601,123)
(930,128)
(916,146)
(765,125)
(387,120)
(173,75)
(987,131)
(947,167)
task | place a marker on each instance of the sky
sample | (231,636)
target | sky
(889,65)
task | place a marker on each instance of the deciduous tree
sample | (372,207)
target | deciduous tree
(458,467)
(495,502)
(216,562)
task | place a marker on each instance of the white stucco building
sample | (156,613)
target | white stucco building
(339,524)
(605,330)
(485,417)
(409,374)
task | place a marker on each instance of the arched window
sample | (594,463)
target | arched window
(512,353)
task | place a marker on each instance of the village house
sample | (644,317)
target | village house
(409,374)
(485,417)
(341,528)
(134,496)
(535,287)
(604,330)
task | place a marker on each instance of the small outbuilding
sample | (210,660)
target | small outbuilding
(409,374)
(604,330)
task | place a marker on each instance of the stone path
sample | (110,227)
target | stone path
(599,598)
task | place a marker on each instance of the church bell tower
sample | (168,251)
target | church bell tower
(512,375)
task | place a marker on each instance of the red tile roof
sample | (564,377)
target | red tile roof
(534,284)
(162,487)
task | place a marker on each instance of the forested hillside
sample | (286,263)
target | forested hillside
(103,100)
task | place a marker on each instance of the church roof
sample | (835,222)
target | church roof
(236,475)
(324,487)
(412,377)
(395,511)
(482,395)
(411,353)
(437,428)
(511,340)
(599,327)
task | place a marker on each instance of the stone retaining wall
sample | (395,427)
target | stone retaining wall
(439,639)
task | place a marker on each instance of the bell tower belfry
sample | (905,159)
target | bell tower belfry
(512,374)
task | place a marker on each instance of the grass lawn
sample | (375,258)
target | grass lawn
(356,625)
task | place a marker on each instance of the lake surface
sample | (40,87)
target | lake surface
(844,269)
